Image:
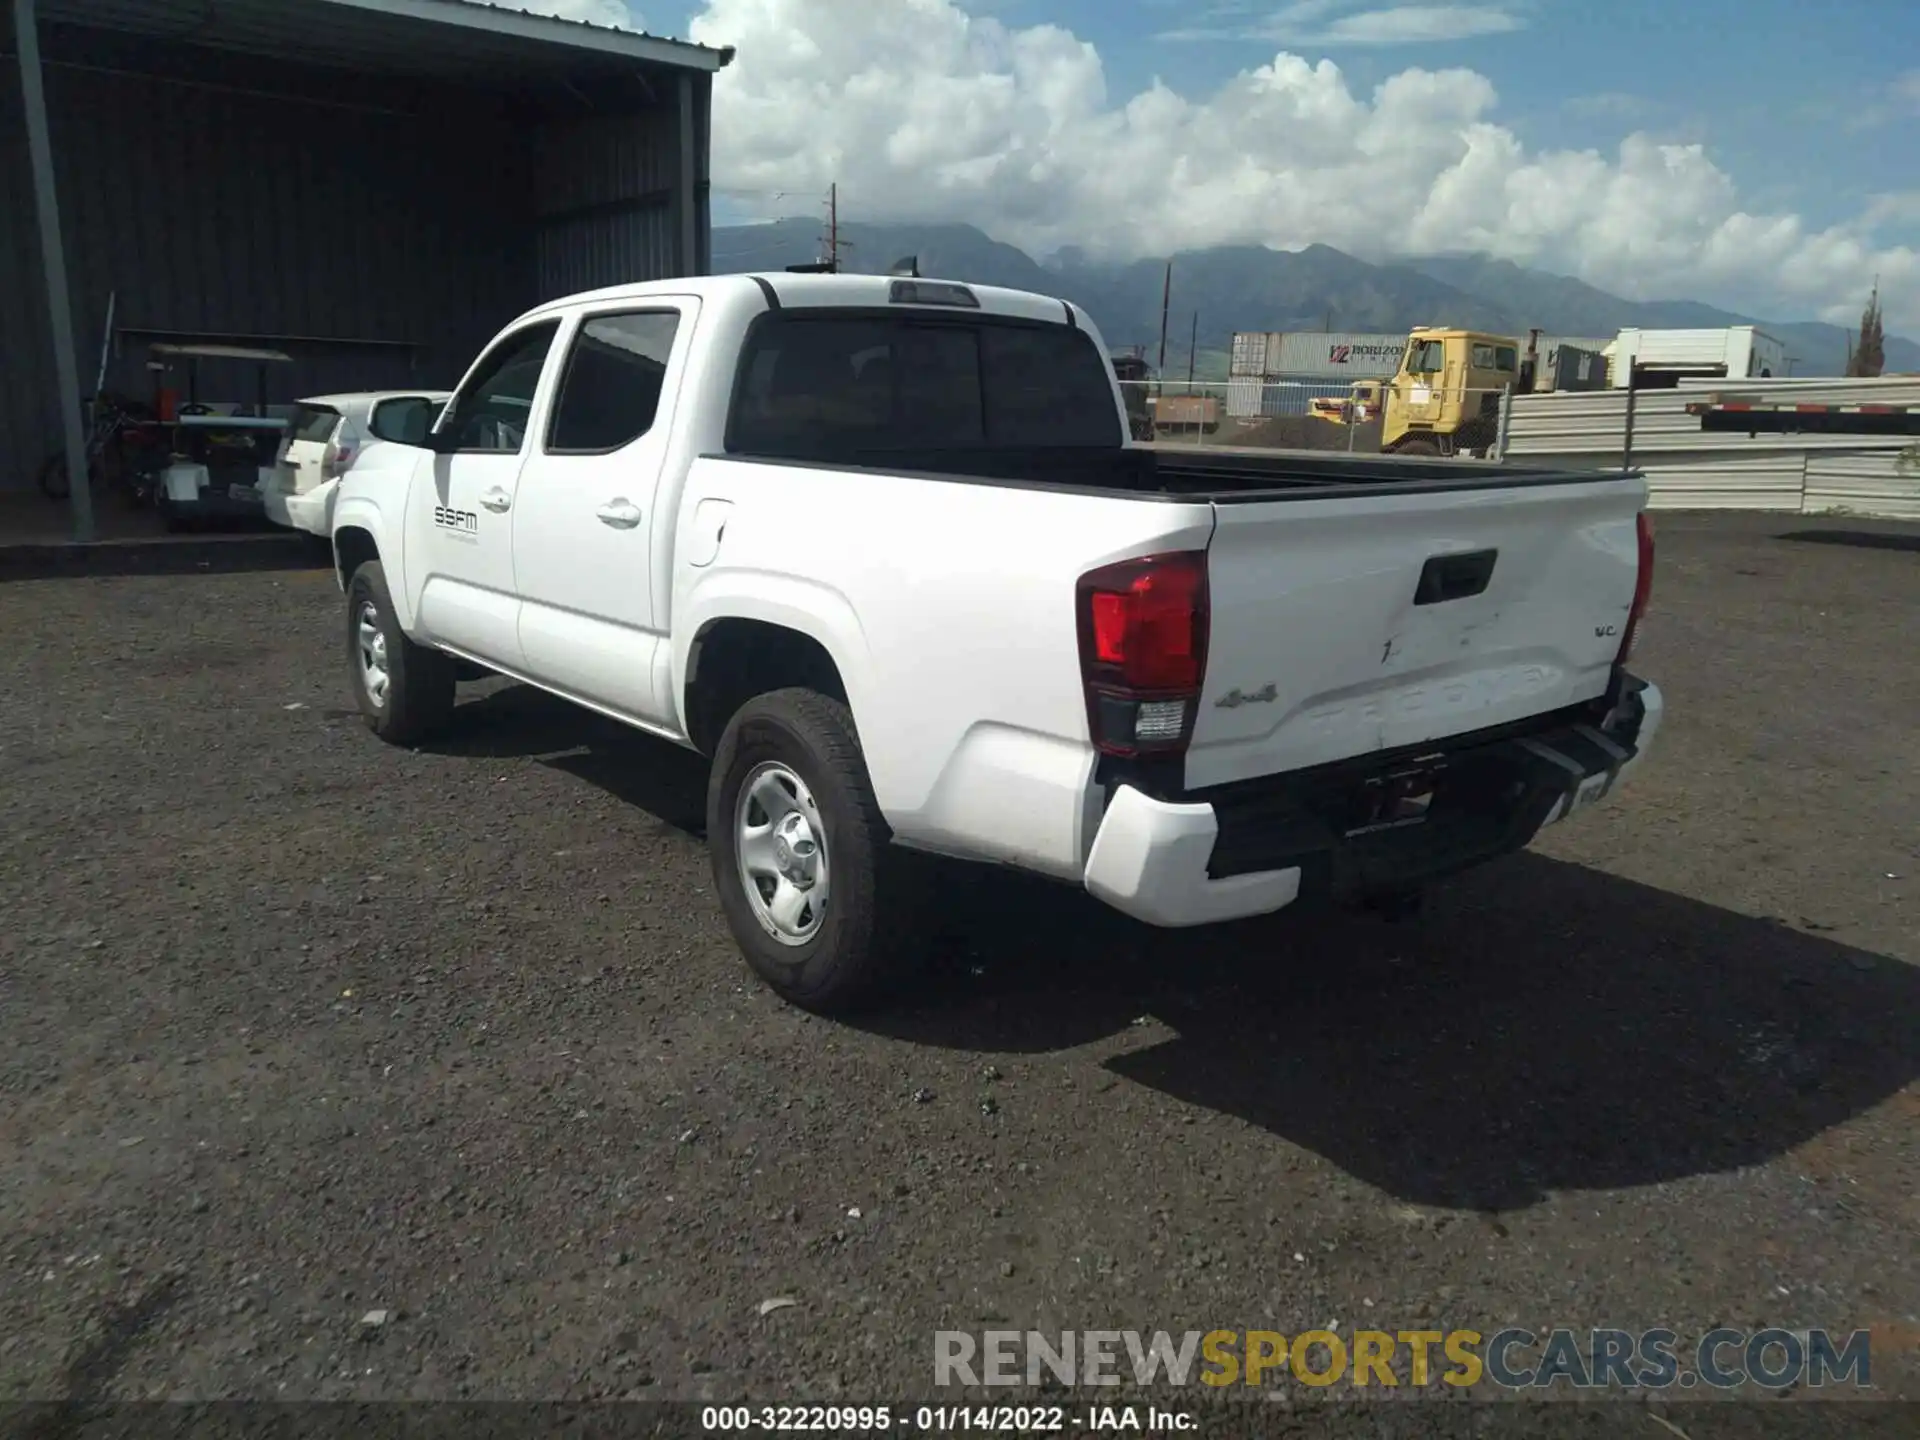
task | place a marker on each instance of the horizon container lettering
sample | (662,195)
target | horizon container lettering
(1336,354)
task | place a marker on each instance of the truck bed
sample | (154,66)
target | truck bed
(1226,477)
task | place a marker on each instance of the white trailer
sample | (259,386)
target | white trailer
(1737,352)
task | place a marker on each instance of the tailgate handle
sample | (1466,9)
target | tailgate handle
(1454,577)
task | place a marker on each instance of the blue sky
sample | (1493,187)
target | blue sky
(1772,87)
(1808,114)
(1767,85)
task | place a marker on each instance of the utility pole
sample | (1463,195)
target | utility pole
(1166,297)
(830,242)
(1193,349)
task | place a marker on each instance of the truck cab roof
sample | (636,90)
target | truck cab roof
(783,290)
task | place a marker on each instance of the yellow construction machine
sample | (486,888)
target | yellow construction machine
(1445,398)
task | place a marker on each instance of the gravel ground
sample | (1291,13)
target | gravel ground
(299,1027)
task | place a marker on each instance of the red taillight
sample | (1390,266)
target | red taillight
(336,461)
(1642,587)
(1143,650)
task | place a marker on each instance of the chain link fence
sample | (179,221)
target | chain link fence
(1281,414)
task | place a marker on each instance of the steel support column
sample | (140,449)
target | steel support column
(687,198)
(53,264)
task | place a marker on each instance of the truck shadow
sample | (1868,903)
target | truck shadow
(1543,1027)
(1859,539)
(522,722)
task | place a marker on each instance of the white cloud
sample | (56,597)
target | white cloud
(1401,25)
(921,111)
(596,12)
(1330,23)
(1889,104)
(1419,25)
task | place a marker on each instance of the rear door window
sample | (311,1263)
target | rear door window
(817,386)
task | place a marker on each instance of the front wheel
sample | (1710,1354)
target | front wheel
(405,690)
(802,858)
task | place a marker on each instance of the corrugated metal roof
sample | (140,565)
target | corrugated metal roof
(460,40)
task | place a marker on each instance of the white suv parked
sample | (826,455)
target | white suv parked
(327,435)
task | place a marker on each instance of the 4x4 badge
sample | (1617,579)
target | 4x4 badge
(1237,697)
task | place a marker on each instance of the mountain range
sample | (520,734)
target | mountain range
(1249,287)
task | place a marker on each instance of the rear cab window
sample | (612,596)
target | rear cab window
(842,383)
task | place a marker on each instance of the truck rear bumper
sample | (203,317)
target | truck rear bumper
(1253,849)
(1150,857)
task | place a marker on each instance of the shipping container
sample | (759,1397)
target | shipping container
(1547,347)
(1570,367)
(1250,351)
(1243,396)
(1336,355)
(1285,397)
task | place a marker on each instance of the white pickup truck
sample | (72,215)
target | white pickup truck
(881,548)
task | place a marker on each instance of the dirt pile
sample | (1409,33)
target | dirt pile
(1304,432)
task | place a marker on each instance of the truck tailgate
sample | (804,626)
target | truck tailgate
(1344,626)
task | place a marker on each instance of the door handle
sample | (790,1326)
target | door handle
(620,514)
(1454,577)
(496,500)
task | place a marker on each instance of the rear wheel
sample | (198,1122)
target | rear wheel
(1418,447)
(801,856)
(405,690)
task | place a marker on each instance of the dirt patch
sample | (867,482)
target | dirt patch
(300,1027)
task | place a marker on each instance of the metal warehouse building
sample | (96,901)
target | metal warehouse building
(370,186)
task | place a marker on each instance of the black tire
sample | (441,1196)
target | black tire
(1417,447)
(856,949)
(419,690)
(53,480)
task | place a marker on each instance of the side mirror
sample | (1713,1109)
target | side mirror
(408,422)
